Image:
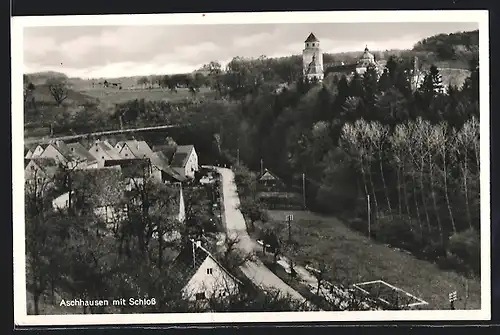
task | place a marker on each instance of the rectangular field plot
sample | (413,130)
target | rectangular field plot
(389,295)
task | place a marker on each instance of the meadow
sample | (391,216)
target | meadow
(111,96)
(353,258)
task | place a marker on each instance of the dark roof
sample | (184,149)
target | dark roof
(79,151)
(181,155)
(179,160)
(159,160)
(185,265)
(185,148)
(311,38)
(167,150)
(131,168)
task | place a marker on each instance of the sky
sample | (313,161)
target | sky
(121,51)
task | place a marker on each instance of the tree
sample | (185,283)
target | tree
(58,89)
(143,81)
(232,256)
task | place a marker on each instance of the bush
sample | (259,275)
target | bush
(393,230)
(464,250)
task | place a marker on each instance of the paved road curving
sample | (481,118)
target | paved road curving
(255,270)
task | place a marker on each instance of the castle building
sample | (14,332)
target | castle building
(366,60)
(312,58)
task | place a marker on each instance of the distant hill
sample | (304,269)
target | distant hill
(460,46)
(39,78)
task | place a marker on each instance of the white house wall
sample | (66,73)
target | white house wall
(219,282)
(191,165)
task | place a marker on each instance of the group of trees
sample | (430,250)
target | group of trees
(73,253)
(172,82)
(398,141)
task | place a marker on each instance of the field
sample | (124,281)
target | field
(111,96)
(353,258)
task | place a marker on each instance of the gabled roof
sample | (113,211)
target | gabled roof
(79,151)
(108,149)
(63,149)
(48,165)
(268,175)
(187,263)
(159,160)
(140,149)
(311,38)
(181,155)
(167,150)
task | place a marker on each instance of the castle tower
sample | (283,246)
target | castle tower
(312,59)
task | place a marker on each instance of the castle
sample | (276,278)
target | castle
(312,58)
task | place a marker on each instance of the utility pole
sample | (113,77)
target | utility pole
(369,215)
(304,190)
(238,156)
(289,219)
(261,166)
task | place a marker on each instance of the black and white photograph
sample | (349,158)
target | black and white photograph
(228,167)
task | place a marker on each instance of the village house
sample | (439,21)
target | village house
(185,161)
(162,171)
(201,276)
(35,151)
(39,174)
(78,150)
(103,151)
(133,149)
(268,181)
(68,155)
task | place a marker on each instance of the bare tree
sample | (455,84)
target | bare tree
(378,135)
(58,89)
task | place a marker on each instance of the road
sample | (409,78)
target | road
(255,270)
(101,133)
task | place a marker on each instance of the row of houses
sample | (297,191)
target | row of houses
(170,165)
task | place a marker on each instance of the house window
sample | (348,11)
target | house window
(32,168)
(209,271)
(200,296)
(39,180)
(102,157)
(126,155)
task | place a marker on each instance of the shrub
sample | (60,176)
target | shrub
(464,250)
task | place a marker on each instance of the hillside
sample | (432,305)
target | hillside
(460,47)
(43,96)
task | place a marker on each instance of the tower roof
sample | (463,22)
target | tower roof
(311,38)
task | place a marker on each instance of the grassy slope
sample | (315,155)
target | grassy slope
(355,259)
(113,95)
(42,94)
